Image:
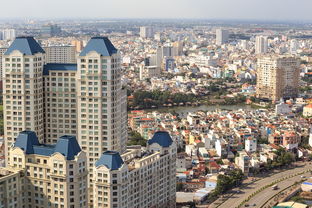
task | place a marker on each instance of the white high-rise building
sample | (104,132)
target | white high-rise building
(261,45)
(60,54)
(222,36)
(8,34)
(294,46)
(2,51)
(146,32)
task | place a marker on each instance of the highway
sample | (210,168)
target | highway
(238,195)
(260,199)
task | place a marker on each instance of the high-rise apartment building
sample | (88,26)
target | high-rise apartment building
(60,101)
(23,89)
(45,175)
(146,32)
(78,45)
(10,188)
(261,45)
(85,100)
(277,77)
(60,54)
(2,51)
(222,36)
(100,100)
(137,178)
(8,34)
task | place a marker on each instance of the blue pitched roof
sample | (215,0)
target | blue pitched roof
(101,45)
(111,159)
(66,145)
(59,67)
(162,138)
(26,45)
(26,141)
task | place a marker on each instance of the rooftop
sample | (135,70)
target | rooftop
(58,67)
(110,159)
(66,145)
(162,138)
(101,45)
(26,45)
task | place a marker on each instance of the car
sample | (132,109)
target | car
(246,205)
(303,176)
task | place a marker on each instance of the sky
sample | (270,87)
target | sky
(267,10)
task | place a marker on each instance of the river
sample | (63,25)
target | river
(183,110)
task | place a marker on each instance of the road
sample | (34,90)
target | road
(260,199)
(238,195)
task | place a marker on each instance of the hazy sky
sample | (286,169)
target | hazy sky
(210,9)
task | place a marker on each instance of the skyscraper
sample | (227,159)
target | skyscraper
(101,108)
(23,89)
(85,100)
(2,51)
(261,45)
(222,36)
(8,34)
(146,32)
(277,77)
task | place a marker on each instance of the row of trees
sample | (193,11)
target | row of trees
(135,138)
(147,99)
(227,182)
(283,158)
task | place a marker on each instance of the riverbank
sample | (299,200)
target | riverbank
(183,110)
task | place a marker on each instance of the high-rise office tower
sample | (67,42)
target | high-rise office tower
(277,77)
(101,100)
(23,89)
(222,36)
(146,32)
(60,54)
(261,45)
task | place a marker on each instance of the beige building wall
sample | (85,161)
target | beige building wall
(60,102)
(277,77)
(60,54)
(143,180)
(22,95)
(50,181)
(10,189)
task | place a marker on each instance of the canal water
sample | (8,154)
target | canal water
(183,110)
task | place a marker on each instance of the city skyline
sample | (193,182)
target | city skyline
(222,10)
